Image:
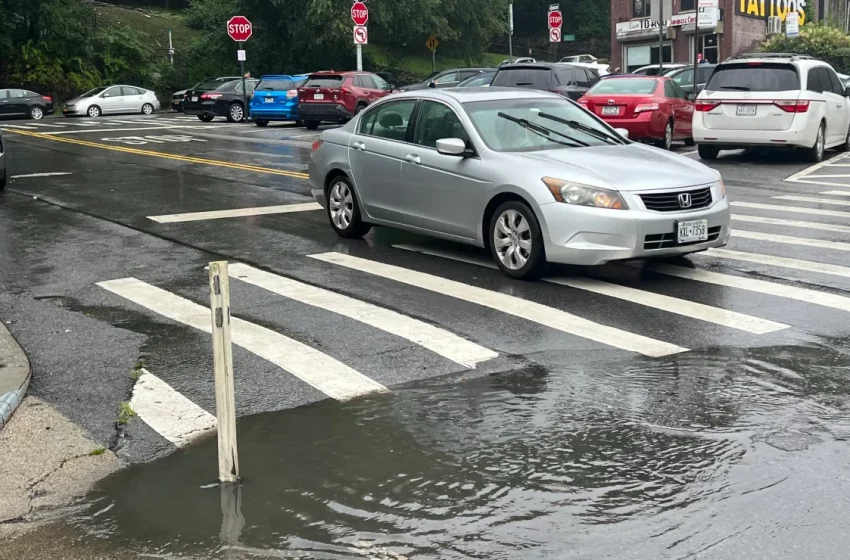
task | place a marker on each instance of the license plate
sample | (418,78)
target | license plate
(610,110)
(692,230)
(746,110)
(194,99)
(269,99)
(318,96)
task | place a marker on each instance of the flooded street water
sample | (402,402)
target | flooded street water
(713,454)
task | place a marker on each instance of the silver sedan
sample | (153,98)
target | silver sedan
(529,175)
(112,100)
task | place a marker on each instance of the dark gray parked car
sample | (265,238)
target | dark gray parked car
(568,80)
(447,78)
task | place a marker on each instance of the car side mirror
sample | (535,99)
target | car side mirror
(106,95)
(690,96)
(622,132)
(390,87)
(451,146)
(432,84)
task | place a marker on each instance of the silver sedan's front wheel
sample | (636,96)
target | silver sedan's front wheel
(344,211)
(515,240)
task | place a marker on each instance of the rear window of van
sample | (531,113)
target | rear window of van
(753,76)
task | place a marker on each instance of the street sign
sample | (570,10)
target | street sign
(359,13)
(554,7)
(554,35)
(239,28)
(707,13)
(792,24)
(240,55)
(361,35)
(555,19)
(432,43)
(568,37)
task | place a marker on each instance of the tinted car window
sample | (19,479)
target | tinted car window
(4,93)
(593,75)
(581,78)
(276,84)
(752,77)
(210,85)
(668,90)
(131,91)
(636,86)
(450,78)
(324,82)
(112,92)
(480,80)
(437,121)
(388,120)
(704,74)
(537,78)
(380,83)
(679,92)
(367,82)
(684,78)
(17,93)
(813,81)
(837,88)
(567,77)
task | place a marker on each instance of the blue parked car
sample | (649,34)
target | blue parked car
(276,99)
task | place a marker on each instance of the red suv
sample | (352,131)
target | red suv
(338,96)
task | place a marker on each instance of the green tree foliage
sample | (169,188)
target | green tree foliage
(820,41)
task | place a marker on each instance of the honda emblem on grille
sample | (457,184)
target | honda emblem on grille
(685,200)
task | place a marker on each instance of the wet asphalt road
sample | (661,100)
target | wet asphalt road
(559,447)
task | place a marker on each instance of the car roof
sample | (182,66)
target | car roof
(282,76)
(781,58)
(691,67)
(465,95)
(321,73)
(541,65)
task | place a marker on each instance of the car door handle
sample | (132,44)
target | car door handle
(358,146)
(412,158)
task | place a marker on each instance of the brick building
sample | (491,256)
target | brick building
(741,27)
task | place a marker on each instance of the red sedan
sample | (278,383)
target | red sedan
(652,108)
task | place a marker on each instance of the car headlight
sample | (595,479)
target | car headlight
(584,195)
(722,189)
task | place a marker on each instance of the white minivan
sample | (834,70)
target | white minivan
(764,100)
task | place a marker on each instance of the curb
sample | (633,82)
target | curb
(14,375)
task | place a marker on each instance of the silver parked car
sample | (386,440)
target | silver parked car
(528,174)
(111,100)
(2,162)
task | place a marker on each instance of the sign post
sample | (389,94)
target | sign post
(556,20)
(511,31)
(432,44)
(240,30)
(360,17)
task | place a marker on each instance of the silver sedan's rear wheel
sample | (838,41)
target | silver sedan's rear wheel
(94,111)
(515,240)
(344,210)
(147,109)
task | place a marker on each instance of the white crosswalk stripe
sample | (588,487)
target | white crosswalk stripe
(795,209)
(814,199)
(789,240)
(437,340)
(790,223)
(331,377)
(48,125)
(168,411)
(783,262)
(836,193)
(529,310)
(237,213)
(642,297)
(825,299)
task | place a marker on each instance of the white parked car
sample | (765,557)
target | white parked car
(588,61)
(111,100)
(776,100)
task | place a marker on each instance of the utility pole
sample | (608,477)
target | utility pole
(660,37)
(511,31)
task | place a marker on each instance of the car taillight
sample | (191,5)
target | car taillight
(703,106)
(798,106)
(317,144)
(646,107)
(211,95)
(48,98)
(292,94)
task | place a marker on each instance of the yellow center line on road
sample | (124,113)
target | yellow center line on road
(188,159)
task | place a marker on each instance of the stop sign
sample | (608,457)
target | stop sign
(359,13)
(239,28)
(555,20)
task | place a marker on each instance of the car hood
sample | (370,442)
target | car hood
(76,100)
(634,167)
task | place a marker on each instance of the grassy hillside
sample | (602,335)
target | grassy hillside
(152,22)
(420,65)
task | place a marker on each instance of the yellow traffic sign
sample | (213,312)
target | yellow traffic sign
(432,43)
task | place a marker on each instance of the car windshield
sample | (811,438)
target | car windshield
(540,129)
(276,84)
(754,76)
(624,86)
(94,91)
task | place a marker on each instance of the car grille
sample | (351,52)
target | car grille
(669,202)
(667,240)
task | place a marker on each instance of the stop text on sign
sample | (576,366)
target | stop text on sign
(359,13)
(555,20)
(239,28)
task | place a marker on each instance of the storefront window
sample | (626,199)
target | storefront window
(687,5)
(640,8)
(709,47)
(643,55)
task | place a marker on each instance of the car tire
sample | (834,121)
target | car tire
(235,113)
(690,143)
(666,143)
(815,153)
(845,147)
(261,122)
(206,118)
(311,125)
(707,152)
(147,109)
(36,113)
(515,240)
(3,181)
(359,108)
(344,209)
(94,111)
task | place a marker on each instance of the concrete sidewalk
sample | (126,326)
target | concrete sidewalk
(14,375)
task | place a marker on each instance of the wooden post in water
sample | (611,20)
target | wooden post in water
(225,396)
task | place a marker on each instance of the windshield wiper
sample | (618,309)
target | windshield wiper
(543,131)
(604,136)
(741,88)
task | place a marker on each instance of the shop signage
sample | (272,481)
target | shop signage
(767,8)
(635,25)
